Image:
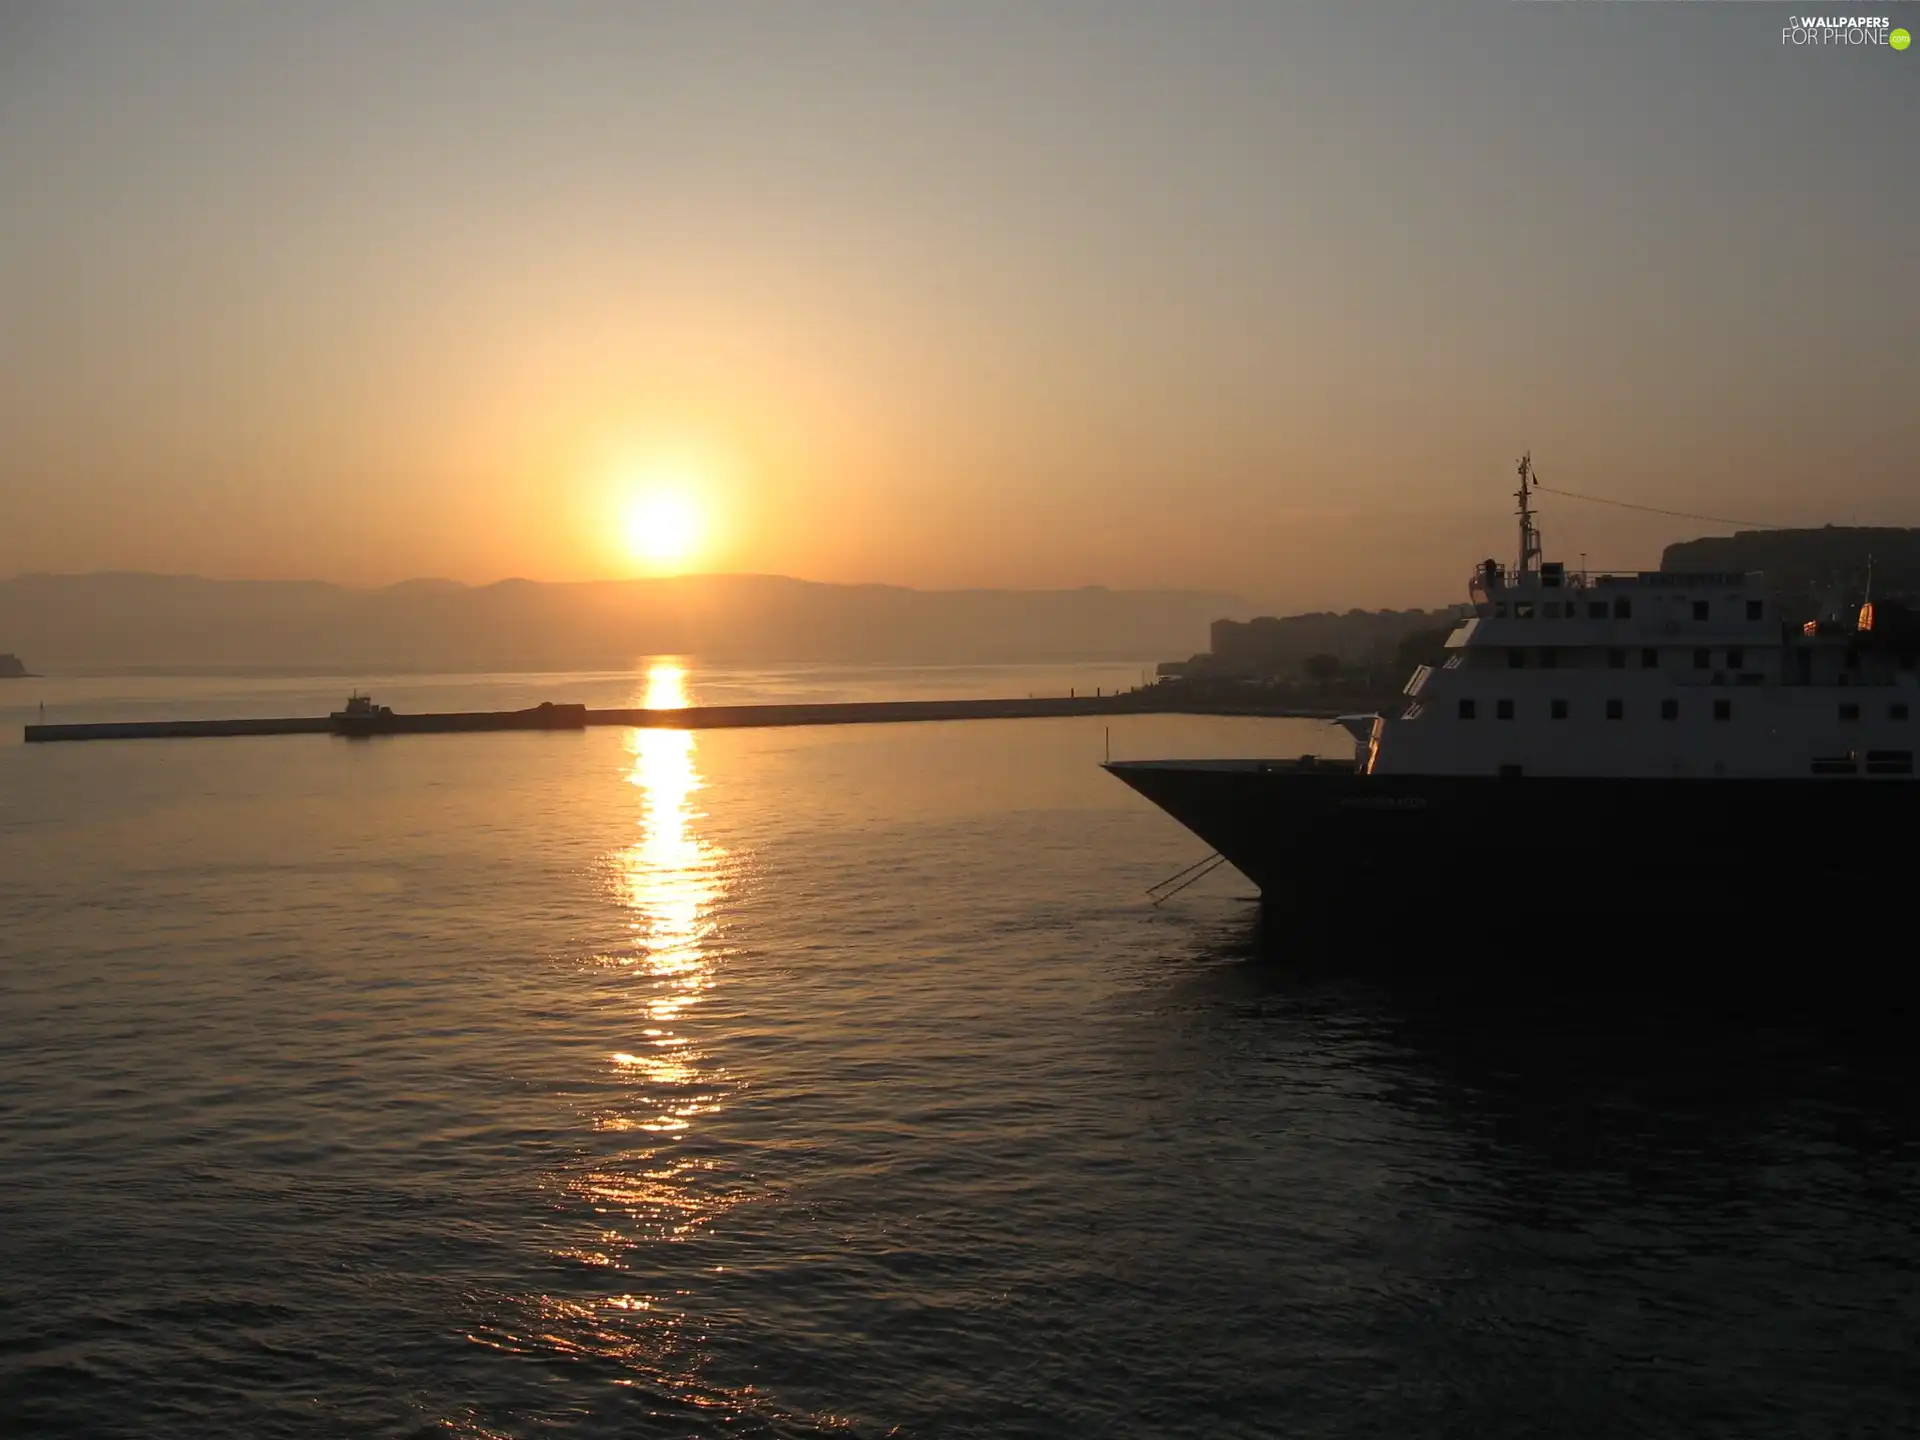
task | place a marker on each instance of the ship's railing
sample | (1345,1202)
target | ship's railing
(1485,582)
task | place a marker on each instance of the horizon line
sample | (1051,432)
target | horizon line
(684,576)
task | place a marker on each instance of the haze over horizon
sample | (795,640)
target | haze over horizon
(1252,298)
(133,621)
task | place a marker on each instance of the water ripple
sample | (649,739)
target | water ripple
(797,1084)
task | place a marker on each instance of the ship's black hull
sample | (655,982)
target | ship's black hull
(1324,837)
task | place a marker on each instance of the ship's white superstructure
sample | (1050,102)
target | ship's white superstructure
(1649,675)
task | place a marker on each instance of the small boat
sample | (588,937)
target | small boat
(360,713)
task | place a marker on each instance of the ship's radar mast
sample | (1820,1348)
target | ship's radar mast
(1529,537)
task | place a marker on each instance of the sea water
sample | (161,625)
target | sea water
(846,1081)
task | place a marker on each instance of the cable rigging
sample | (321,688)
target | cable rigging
(1655,509)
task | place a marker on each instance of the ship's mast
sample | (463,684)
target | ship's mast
(1529,537)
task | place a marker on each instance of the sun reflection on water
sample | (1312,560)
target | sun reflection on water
(669,882)
(653,1176)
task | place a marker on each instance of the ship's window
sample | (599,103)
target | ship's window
(1669,709)
(1622,608)
(1596,609)
(1753,609)
(1896,712)
(1523,609)
(1649,659)
(1516,659)
(1849,712)
(1699,609)
(1889,762)
(1616,709)
(1736,660)
(1466,709)
(1549,659)
(1703,659)
(1723,709)
(1503,710)
(1559,709)
(1616,659)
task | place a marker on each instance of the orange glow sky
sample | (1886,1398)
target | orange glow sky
(1236,295)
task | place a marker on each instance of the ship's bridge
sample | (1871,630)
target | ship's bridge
(1667,602)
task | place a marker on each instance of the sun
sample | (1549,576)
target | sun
(662,528)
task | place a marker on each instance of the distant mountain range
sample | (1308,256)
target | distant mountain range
(122,621)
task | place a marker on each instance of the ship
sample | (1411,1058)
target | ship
(1595,744)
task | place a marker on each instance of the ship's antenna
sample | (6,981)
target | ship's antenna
(1529,537)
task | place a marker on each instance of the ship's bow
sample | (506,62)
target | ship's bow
(1272,820)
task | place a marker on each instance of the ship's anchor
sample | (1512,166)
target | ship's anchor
(1199,870)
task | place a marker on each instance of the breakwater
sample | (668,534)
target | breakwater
(692,717)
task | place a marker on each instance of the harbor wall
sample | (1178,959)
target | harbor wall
(696,717)
(178,729)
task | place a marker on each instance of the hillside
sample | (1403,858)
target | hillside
(1278,646)
(141,621)
(1804,566)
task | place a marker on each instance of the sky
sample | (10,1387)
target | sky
(1266,297)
